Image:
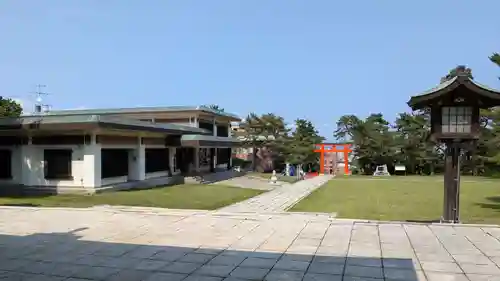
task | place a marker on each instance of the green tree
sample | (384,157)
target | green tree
(265,131)
(214,107)
(299,147)
(415,148)
(9,108)
(374,143)
(495,58)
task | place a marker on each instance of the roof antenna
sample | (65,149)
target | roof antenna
(40,107)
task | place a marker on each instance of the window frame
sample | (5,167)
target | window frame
(456,119)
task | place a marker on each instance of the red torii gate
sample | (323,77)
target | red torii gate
(346,148)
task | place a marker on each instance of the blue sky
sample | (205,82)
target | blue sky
(299,59)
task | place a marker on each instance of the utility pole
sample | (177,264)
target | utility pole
(40,107)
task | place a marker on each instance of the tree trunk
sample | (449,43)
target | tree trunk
(473,164)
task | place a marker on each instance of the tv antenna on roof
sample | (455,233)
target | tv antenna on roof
(40,107)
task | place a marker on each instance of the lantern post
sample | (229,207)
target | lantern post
(454,107)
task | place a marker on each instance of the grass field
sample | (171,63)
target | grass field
(415,198)
(187,196)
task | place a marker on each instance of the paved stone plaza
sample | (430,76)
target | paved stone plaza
(281,198)
(105,243)
(249,182)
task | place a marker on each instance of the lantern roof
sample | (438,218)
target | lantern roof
(425,99)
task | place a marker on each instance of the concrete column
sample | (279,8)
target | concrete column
(215,128)
(92,164)
(215,157)
(30,164)
(196,159)
(171,160)
(137,162)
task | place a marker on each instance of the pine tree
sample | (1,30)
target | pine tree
(300,145)
(495,58)
(9,108)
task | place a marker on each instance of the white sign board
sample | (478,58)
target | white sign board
(399,168)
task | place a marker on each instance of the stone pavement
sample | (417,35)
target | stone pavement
(249,182)
(109,244)
(280,198)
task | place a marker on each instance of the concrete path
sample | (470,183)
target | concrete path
(279,199)
(250,182)
(108,244)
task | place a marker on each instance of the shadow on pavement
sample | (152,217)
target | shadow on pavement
(424,221)
(63,256)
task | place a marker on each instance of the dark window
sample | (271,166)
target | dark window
(223,155)
(157,160)
(57,164)
(114,163)
(204,156)
(206,125)
(5,164)
(222,131)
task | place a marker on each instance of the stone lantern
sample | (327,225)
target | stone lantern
(455,122)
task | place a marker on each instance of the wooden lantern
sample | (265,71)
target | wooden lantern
(455,121)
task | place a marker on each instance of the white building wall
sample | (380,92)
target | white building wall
(28,165)
(91,167)
(137,162)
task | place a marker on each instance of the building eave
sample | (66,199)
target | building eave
(94,121)
(419,101)
(209,141)
(165,109)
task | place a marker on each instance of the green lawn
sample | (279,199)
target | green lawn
(288,179)
(187,196)
(403,198)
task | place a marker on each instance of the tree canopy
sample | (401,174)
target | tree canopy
(407,140)
(215,107)
(495,58)
(270,132)
(9,107)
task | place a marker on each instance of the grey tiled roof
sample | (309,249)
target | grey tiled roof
(106,121)
(106,111)
(456,81)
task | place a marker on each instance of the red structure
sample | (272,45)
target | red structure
(334,147)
